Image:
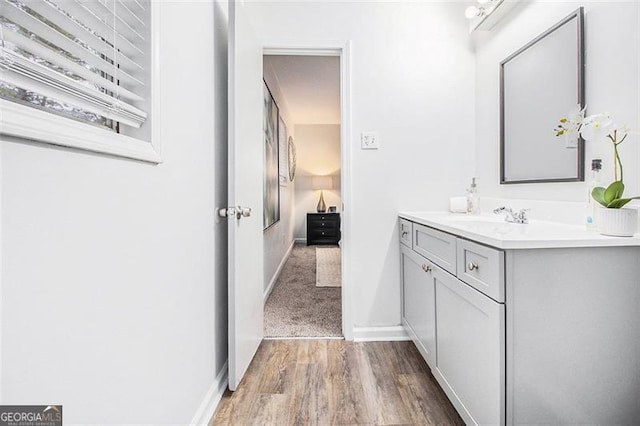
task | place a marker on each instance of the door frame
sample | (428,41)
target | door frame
(341,49)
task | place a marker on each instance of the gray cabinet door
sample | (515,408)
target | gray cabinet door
(418,302)
(471,350)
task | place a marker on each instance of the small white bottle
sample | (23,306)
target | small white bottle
(590,218)
(473,206)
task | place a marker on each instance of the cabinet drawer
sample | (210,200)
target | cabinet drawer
(319,223)
(406,234)
(482,268)
(437,246)
(321,233)
(320,216)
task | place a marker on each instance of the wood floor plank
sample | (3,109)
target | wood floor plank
(346,396)
(321,382)
(405,358)
(235,406)
(310,403)
(279,367)
(379,384)
(269,409)
(312,351)
(425,401)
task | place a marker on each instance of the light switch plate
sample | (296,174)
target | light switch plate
(370,140)
(571,143)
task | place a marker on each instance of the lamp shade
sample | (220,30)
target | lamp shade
(322,182)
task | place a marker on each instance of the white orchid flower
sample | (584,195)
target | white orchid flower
(596,127)
(593,128)
(576,116)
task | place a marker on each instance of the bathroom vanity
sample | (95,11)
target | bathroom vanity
(524,323)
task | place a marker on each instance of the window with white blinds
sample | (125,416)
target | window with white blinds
(87,60)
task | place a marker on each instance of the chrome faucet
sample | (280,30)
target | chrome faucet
(510,216)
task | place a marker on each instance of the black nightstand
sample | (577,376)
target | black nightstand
(323,228)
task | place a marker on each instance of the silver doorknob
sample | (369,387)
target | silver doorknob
(471,266)
(227,212)
(238,212)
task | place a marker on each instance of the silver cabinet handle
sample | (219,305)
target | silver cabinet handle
(405,233)
(426,268)
(471,266)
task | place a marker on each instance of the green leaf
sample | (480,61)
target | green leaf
(598,194)
(614,191)
(620,202)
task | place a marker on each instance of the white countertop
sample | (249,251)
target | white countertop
(494,231)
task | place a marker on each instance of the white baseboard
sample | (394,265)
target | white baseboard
(304,338)
(380,334)
(269,288)
(300,240)
(212,398)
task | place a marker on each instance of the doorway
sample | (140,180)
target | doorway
(307,295)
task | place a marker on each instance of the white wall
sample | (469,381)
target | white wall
(612,39)
(278,238)
(413,83)
(114,271)
(318,154)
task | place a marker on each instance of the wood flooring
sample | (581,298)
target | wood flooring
(335,382)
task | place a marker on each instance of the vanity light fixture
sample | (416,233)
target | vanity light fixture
(474,11)
(485,14)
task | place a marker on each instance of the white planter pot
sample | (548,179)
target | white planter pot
(617,222)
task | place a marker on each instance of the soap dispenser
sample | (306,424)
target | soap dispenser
(473,206)
(589,220)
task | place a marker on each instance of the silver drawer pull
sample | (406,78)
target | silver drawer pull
(405,233)
(426,268)
(471,266)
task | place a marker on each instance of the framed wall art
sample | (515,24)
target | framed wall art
(282,152)
(271,185)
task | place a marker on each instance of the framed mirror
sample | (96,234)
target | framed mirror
(539,84)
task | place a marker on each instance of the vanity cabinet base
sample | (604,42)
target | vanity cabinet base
(573,336)
(527,335)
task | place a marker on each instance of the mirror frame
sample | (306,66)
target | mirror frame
(579,15)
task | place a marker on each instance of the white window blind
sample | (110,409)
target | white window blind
(85,59)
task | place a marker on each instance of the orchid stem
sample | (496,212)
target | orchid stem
(617,162)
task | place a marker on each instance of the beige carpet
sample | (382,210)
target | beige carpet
(328,270)
(296,307)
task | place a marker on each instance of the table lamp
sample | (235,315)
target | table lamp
(321,183)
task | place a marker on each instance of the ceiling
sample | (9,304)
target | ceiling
(310,85)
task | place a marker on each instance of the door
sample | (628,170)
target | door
(470,364)
(419,302)
(245,191)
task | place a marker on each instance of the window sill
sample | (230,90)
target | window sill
(29,123)
(25,122)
